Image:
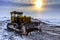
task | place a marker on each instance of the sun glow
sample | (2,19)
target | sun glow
(38,3)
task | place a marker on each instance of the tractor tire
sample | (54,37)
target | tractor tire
(27,33)
(40,30)
(9,26)
(24,30)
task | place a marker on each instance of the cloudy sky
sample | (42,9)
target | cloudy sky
(51,9)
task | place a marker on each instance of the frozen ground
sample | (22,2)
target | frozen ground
(51,21)
(48,33)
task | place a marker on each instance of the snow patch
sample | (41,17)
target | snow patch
(51,21)
(53,33)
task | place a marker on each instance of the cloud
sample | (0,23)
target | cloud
(9,3)
(32,1)
(20,1)
(25,3)
(54,6)
(53,2)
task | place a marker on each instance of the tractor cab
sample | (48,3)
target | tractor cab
(18,17)
(15,15)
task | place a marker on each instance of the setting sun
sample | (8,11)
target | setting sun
(38,3)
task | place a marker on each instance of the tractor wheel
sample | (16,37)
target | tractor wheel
(27,33)
(24,30)
(10,26)
(40,30)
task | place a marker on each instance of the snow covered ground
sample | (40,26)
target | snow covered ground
(48,33)
(51,21)
(45,35)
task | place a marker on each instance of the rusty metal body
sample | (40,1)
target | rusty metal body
(22,24)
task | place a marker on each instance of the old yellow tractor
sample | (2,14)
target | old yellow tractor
(22,24)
